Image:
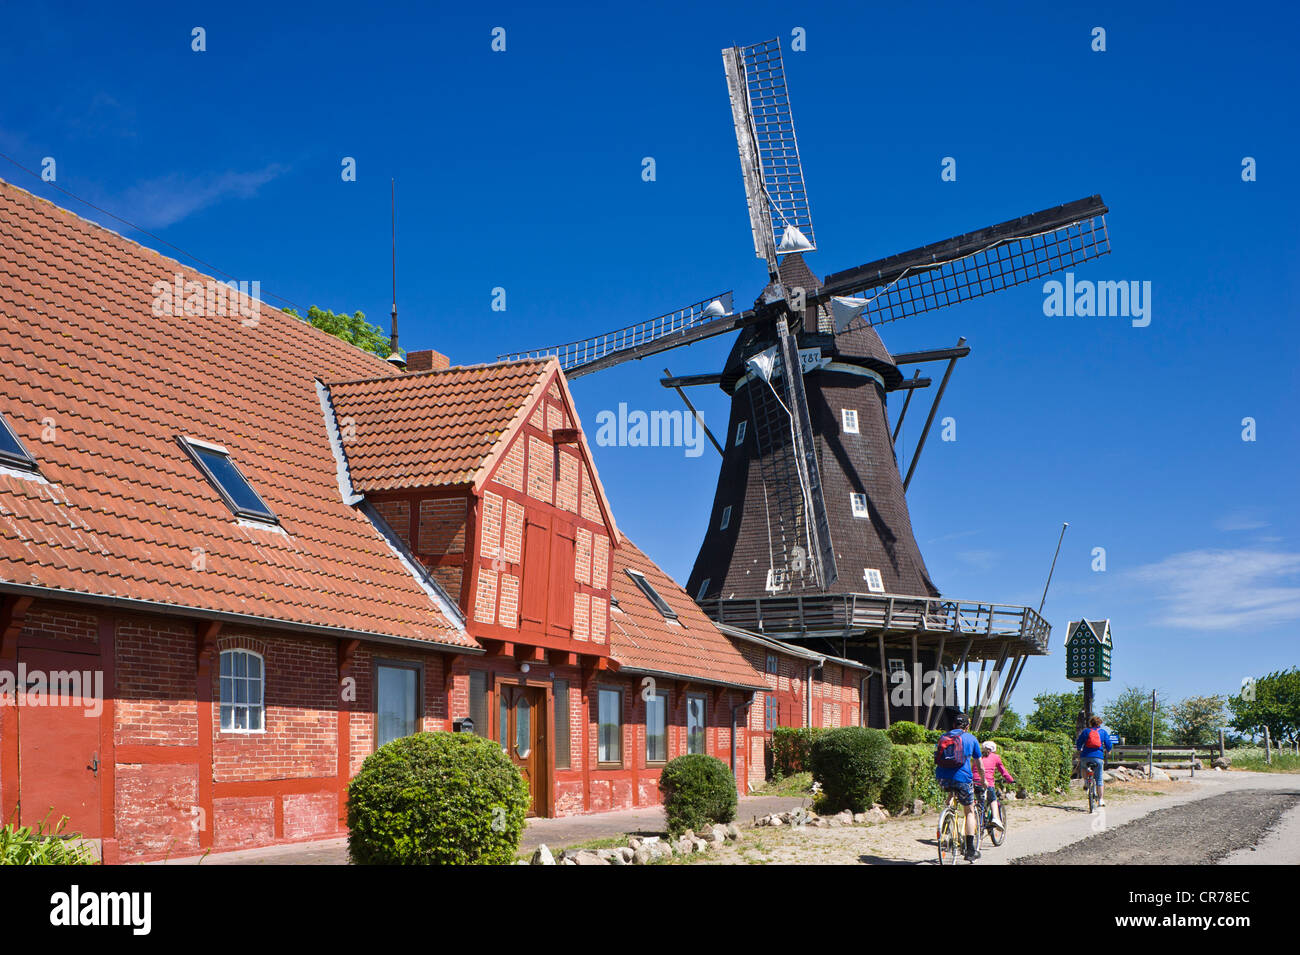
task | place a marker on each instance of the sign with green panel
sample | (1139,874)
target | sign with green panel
(1087,651)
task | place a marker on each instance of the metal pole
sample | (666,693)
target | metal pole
(934,409)
(903,412)
(1064,525)
(699,418)
(1151,744)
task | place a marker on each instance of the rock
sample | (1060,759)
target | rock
(714,833)
(733,831)
(701,846)
(876,805)
(587,857)
(542,856)
(627,852)
(1159,775)
(522,862)
(859,817)
(845,817)
(1198,764)
(568,862)
(1009,797)
(1222,762)
(876,814)
(918,806)
(775,821)
(1218,769)
(642,856)
(818,822)
(688,834)
(685,846)
(634,843)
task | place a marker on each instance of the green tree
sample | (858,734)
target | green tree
(1196,720)
(1129,715)
(1272,701)
(1056,711)
(1011,722)
(353,329)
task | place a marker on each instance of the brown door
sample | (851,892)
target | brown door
(58,741)
(522,728)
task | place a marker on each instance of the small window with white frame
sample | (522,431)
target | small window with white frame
(875,583)
(896,665)
(859,502)
(243,681)
(850,420)
(740,432)
(726,518)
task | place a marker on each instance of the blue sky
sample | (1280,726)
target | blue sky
(522,170)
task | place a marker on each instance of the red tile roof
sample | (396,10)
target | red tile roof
(120,510)
(436,427)
(692,648)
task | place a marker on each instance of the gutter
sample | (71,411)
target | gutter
(690,678)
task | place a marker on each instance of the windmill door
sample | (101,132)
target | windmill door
(522,723)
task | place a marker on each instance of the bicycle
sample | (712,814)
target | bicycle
(1090,784)
(996,826)
(949,831)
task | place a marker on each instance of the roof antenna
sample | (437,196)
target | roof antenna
(395,358)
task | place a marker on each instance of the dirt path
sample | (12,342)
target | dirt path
(1201,832)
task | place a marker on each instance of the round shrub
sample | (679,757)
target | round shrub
(852,765)
(698,791)
(436,799)
(906,733)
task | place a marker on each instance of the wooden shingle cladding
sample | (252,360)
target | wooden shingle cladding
(735,559)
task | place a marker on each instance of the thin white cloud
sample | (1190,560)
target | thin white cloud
(1239,522)
(983,559)
(166,200)
(1226,589)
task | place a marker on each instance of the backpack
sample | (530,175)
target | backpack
(950,752)
(1093,739)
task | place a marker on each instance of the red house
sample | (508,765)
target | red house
(237,554)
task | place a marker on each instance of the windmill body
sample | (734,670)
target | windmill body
(809,537)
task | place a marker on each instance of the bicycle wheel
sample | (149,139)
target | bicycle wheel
(948,840)
(998,826)
(1092,793)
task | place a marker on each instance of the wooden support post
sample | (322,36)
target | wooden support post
(934,409)
(699,418)
(903,413)
(884,679)
(939,668)
(1006,692)
(916,700)
(987,690)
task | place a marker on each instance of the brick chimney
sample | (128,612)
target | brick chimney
(427,360)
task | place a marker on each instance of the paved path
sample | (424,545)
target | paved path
(556,833)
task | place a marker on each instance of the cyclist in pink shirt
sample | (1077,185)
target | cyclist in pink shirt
(993,767)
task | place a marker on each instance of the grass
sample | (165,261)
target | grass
(27,845)
(799,784)
(1254,761)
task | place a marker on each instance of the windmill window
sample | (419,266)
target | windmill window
(222,473)
(704,588)
(859,502)
(12,450)
(740,432)
(850,418)
(896,665)
(652,595)
(726,518)
(875,583)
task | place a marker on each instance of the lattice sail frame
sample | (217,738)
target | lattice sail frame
(772,129)
(1004,264)
(591,349)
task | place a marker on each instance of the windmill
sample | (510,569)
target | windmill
(810,536)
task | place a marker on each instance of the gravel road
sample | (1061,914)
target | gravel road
(1201,832)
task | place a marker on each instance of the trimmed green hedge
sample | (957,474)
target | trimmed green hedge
(852,765)
(906,733)
(791,748)
(436,799)
(698,791)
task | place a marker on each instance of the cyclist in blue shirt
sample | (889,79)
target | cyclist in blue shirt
(958,779)
(1093,744)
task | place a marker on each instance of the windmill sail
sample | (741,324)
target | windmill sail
(769,152)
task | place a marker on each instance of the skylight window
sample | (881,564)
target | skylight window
(12,450)
(214,461)
(652,595)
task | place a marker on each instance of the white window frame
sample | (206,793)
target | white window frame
(248,708)
(740,431)
(875,582)
(849,420)
(858,502)
(726,518)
